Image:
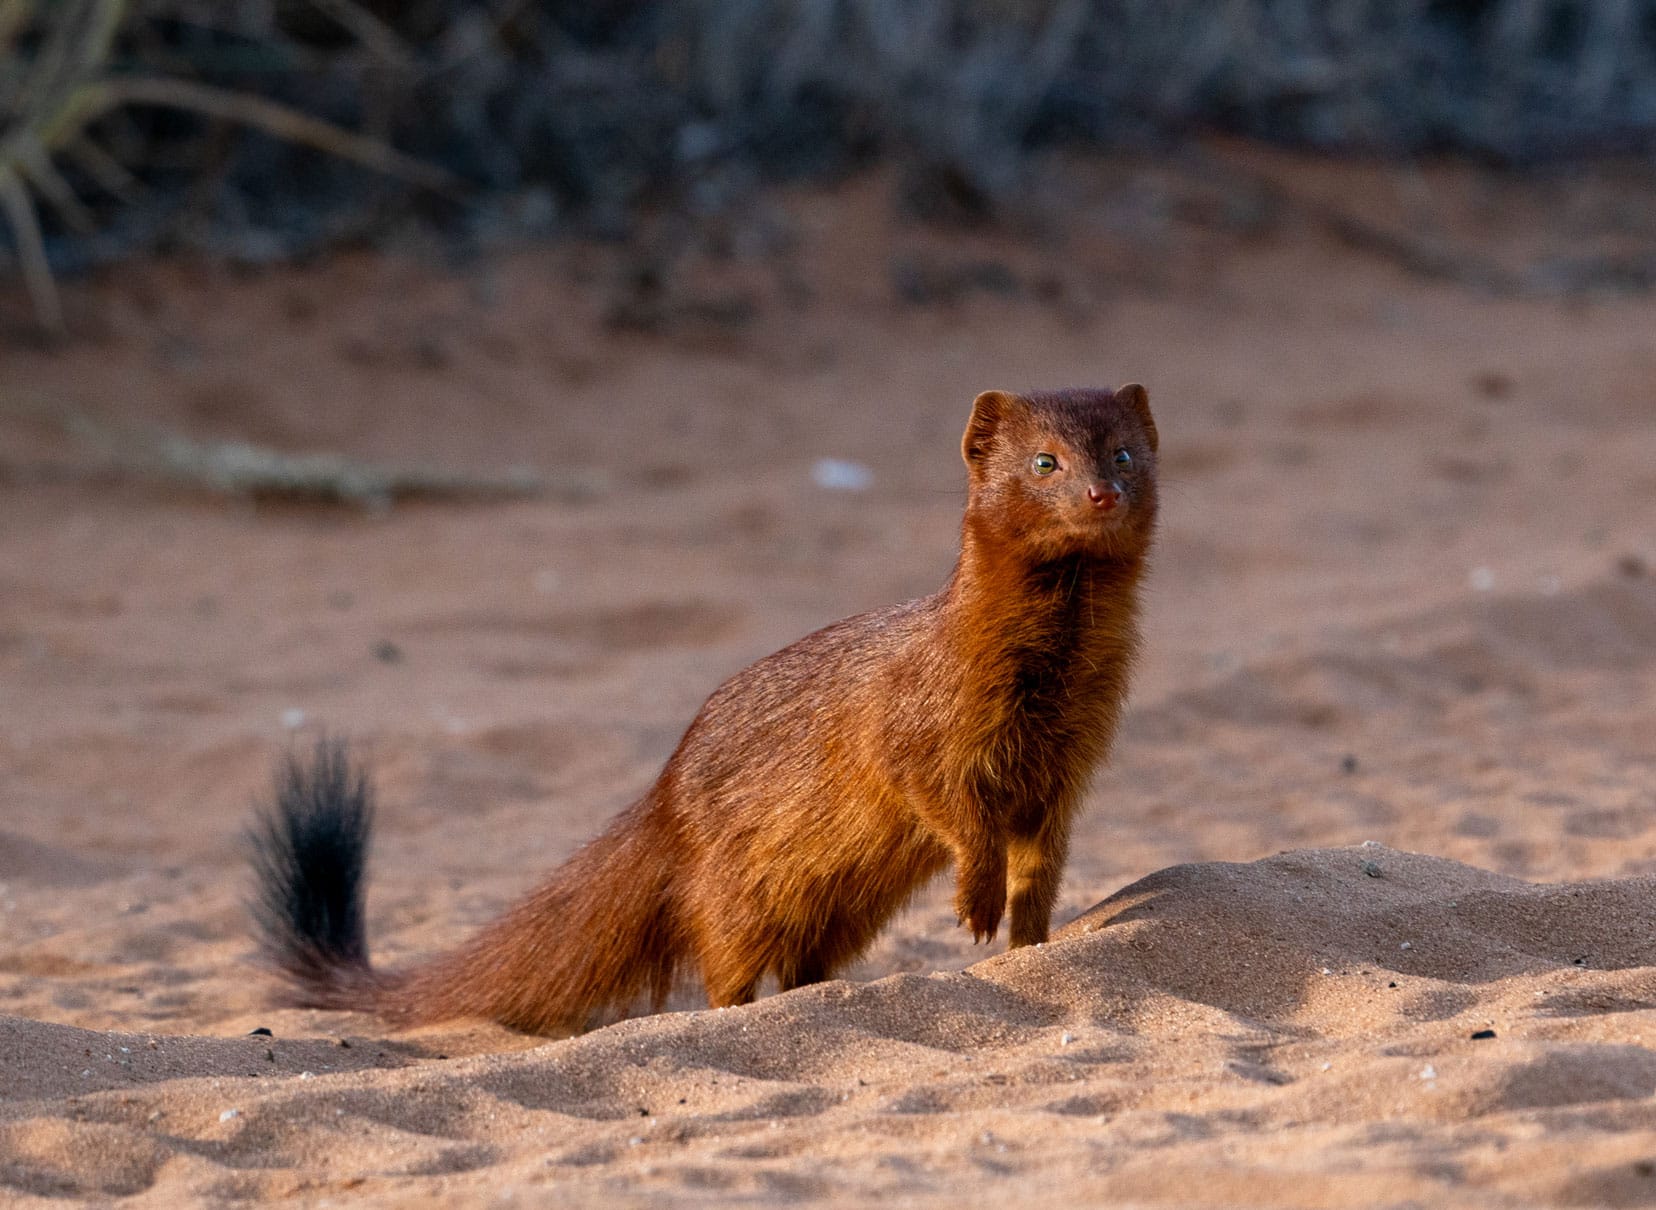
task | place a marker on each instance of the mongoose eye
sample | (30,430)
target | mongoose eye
(1123,457)
(1044,464)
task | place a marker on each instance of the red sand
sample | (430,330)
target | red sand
(1401,596)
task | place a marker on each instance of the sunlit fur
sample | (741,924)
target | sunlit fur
(819,788)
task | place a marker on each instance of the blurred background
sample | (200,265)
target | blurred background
(263,131)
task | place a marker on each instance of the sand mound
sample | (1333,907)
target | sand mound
(1256,938)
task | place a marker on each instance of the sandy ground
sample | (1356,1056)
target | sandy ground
(1402,606)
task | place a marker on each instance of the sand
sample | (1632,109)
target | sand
(1362,913)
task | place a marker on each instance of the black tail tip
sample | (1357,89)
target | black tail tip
(309,850)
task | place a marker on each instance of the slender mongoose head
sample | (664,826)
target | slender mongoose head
(1055,474)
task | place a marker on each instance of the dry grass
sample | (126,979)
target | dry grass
(65,85)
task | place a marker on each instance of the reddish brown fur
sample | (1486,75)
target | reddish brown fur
(819,788)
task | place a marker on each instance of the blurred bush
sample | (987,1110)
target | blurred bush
(573,114)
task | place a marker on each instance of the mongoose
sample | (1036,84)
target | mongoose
(817,789)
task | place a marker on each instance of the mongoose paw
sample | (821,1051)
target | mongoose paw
(1028,926)
(983,918)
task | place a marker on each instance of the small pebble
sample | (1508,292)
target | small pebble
(1492,384)
(1428,1072)
(841,475)
(229,1114)
(1407,945)
(1371,868)
(1066,1039)
(1481,1034)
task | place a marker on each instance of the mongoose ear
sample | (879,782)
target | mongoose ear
(988,410)
(1136,397)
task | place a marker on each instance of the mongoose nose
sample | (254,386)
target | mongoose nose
(1104,496)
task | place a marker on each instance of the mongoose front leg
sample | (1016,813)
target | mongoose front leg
(801,972)
(977,838)
(980,888)
(1035,868)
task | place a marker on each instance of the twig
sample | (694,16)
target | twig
(1634,272)
(240,468)
(289,125)
(369,30)
(31,251)
(1417,256)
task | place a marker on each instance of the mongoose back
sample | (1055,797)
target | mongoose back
(817,789)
